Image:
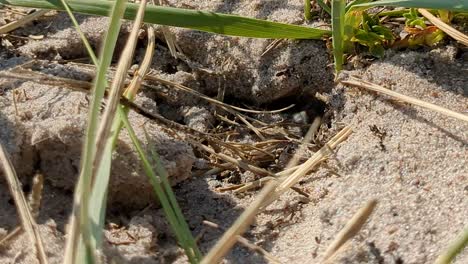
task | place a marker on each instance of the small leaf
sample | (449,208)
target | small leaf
(377,51)
(383,31)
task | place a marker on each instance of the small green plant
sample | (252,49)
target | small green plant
(413,20)
(373,35)
(418,32)
(354,25)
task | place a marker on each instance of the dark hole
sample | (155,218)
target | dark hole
(169,68)
(26,188)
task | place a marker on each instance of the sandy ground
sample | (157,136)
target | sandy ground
(413,161)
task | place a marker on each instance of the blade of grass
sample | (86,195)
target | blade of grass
(307,7)
(193,19)
(25,215)
(355,2)
(454,248)
(116,88)
(453,5)
(324,6)
(98,198)
(104,143)
(84,182)
(181,230)
(188,238)
(82,36)
(338,26)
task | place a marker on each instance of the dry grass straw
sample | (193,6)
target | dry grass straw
(229,238)
(459,36)
(270,193)
(34,204)
(455,247)
(377,88)
(21,22)
(239,163)
(311,163)
(145,66)
(170,38)
(209,99)
(246,243)
(26,217)
(350,229)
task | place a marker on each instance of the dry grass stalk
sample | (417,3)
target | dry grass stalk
(170,38)
(307,166)
(245,242)
(269,193)
(377,88)
(241,164)
(27,219)
(240,226)
(209,99)
(21,22)
(275,43)
(307,138)
(351,228)
(34,204)
(139,75)
(459,36)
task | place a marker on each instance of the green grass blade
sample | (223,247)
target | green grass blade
(307,7)
(454,248)
(181,230)
(453,5)
(171,197)
(98,199)
(324,6)
(355,2)
(83,191)
(82,36)
(199,20)
(338,23)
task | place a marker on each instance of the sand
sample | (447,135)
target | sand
(413,161)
